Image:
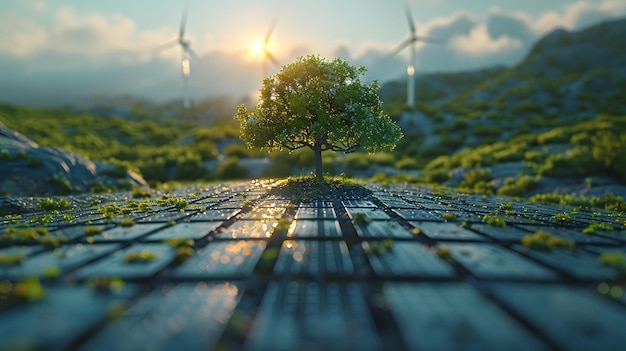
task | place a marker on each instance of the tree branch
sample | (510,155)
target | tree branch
(345,149)
(292,147)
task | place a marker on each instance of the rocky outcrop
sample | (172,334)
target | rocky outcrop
(27,169)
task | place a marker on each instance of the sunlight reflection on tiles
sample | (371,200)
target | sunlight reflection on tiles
(249,229)
(223,259)
(265,213)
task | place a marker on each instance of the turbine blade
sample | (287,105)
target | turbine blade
(430,40)
(183,23)
(400,47)
(169,44)
(272,58)
(409,18)
(192,53)
(270,30)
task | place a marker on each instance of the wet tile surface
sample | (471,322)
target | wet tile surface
(242,268)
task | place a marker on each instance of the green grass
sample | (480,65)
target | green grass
(307,188)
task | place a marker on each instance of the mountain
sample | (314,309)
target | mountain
(567,71)
(555,122)
(560,108)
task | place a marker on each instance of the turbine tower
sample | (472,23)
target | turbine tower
(267,55)
(186,54)
(411,41)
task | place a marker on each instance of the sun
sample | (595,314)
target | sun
(257,48)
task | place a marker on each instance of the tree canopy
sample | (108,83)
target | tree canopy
(321,105)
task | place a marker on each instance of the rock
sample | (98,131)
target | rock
(28,169)
(11,205)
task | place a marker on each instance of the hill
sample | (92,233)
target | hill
(553,122)
(558,113)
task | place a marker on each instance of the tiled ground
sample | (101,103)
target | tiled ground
(403,269)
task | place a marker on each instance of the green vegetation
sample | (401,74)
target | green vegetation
(139,257)
(554,148)
(5,155)
(50,242)
(447,216)
(562,217)
(518,187)
(321,105)
(361,219)
(28,290)
(595,227)
(615,259)
(183,248)
(91,231)
(183,253)
(180,242)
(480,120)
(48,204)
(378,248)
(494,221)
(147,141)
(608,202)
(11,259)
(541,240)
(107,285)
(19,235)
(444,253)
(231,169)
(307,188)
(477,181)
(127,222)
(139,193)
(282,225)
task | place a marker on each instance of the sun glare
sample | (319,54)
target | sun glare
(257,48)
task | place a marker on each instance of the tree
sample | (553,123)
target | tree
(321,105)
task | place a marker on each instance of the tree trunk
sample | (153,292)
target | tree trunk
(317,149)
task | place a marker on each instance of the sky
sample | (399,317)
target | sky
(63,52)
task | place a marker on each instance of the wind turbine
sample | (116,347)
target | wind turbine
(187,53)
(411,41)
(267,55)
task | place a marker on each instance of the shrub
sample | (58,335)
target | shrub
(155,170)
(477,181)
(433,151)
(407,163)
(231,169)
(476,175)
(116,171)
(451,142)
(190,168)
(554,136)
(435,176)
(357,161)
(382,159)
(534,156)
(63,185)
(518,187)
(236,150)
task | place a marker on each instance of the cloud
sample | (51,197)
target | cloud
(501,38)
(90,36)
(73,56)
(577,15)
(444,28)
(479,42)
(471,42)
(20,36)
